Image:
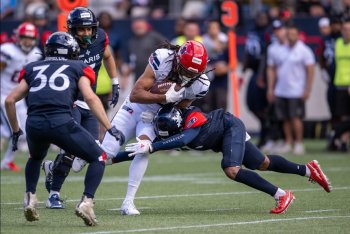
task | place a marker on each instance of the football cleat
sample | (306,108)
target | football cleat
(47,168)
(84,210)
(54,202)
(29,203)
(317,175)
(10,166)
(128,208)
(283,203)
(78,164)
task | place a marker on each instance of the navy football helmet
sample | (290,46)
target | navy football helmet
(82,17)
(168,121)
(61,44)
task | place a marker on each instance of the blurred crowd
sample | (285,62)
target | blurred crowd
(279,106)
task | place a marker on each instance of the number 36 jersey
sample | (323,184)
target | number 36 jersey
(14,60)
(53,84)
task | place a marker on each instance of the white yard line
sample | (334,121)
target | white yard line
(220,224)
(319,211)
(189,195)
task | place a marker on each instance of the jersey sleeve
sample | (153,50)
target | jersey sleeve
(194,119)
(106,40)
(4,56)
(154,60)
(309,57)
(90,74)
(198,89)
(21,75)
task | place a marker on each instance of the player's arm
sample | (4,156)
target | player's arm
(10,103)
(2,65)
(184,104)
(109,63)
(271,81)
(140,93)
(310,77)
(93,101)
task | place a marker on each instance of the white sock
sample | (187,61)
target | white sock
(307,172)
(280,192)
(9,154)
(137,169)
(54,192)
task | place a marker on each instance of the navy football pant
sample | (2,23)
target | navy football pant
(68,135)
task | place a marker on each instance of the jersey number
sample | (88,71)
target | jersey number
(51,80)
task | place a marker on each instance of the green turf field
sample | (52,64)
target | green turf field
(189,194)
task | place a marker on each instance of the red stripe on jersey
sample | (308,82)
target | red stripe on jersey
(89,73)
(195,119)
(21,74)
(107,40)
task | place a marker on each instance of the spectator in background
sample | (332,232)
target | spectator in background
(254,56)
(144,41)
(7,8)
(327,64)
(324,26)
(40,19)
(342,81)
(215,41)
(293,65)
(191,32)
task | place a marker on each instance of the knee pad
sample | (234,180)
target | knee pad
(63,164)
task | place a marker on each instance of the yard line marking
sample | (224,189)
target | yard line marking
(189,195)
(140,208)
(318,211)
(219,224)
(213,210)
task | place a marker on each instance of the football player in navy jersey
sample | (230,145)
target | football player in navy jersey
(51,86)
(220,131)
(93,42)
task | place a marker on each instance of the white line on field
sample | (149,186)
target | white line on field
(189,195)
(219,224)
(319,211)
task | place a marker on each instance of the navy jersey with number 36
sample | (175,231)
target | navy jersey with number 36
(53,84)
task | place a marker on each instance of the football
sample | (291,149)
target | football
(163,86)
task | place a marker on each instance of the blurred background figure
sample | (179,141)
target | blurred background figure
(215,41)
(40,19)
(191,31)
(254,70)
(140,46)
(14,56)
(290,88)
(342,87)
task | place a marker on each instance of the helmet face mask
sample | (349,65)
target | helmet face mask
(80,19)
(61,44)
(168,122)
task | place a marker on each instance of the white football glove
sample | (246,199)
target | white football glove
(147,116)
(173,96)
(141,147)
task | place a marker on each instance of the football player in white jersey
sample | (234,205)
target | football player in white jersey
(14,55)
(186,66)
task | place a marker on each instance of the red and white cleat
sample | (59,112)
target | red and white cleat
(283,203)
(317,175)
(10,166)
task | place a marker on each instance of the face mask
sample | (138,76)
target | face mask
(87,40)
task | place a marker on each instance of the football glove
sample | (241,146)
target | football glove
(172,96)
(141,147)
(118,135)
(15,137)
(115,92)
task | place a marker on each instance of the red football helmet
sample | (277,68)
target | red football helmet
(192,60)
(26,36)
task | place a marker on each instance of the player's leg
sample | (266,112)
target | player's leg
(77,140)
(38,143)
(137,170)
(233,155)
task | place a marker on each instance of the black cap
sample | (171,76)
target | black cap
(277,24)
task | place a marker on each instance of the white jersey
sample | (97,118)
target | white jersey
(15,59)
(161,63)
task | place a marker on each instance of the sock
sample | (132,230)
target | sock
(279,193)
(253,180)
(137,169)
(307,172)
(9,154)
(52,192)
(93,178)
(32,173)
(282,165)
